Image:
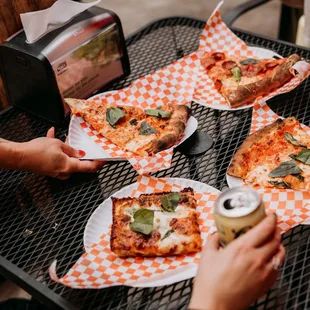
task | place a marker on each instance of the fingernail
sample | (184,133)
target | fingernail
(81,153)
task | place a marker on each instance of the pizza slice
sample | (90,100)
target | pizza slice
(278,155)
(241,80)
(143,132)
(158,224)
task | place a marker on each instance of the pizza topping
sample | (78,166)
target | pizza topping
(133,122)
(299,177)
(167,234)
(249,61)
(218,56)
(158,113)
(271,64)
(292,140)
(146,129)
(114,115)
(303,156)
(170,202)
(143,221)
(263,69)
(285,168)
(236,72)
(208,63)
(251,70)
(281,184)
(229,64)
(218,84)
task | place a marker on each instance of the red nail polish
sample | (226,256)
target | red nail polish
(81,153)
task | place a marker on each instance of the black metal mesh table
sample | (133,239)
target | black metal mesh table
(42,219)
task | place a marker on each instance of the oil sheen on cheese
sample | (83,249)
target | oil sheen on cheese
(162,219)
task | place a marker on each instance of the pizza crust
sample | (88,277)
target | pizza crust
(248,93)
(238,167)
(125,135)
(184,222)
(173,132)
(268,148)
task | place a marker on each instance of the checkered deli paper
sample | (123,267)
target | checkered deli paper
(217,37)
(290,204)
(98,267)
(183,81)
(262,116)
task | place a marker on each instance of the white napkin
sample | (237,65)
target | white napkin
(37,24)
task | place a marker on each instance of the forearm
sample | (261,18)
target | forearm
(10,155)
(201,300)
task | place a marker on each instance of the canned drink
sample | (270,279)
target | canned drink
(236,211)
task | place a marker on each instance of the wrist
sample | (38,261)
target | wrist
(11,155)
(20,156)
(205,302)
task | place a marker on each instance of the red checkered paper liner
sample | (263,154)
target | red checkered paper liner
(217,37)
(181,82)
(262,116)
(99,267)
(174,83)
(292,206)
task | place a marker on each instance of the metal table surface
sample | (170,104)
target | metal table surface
(43,219)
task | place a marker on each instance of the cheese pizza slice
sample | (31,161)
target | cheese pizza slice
(143,132)
(242,80)
(278,155)
(158,224)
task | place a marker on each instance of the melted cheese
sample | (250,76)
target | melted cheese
(259,175)
(162,219)
(230,83)
(139,142)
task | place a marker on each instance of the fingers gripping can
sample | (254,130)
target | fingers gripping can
(236,211)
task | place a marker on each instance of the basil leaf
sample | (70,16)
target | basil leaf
(303,156)
(167,234)
(114,115)
(299,177)
(158,113)
(236,72)
(146,129)
(292,140)
(170,202)
(280,184)
(285,168)
(249,61)
(143,221)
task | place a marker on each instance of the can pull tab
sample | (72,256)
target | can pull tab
(227,204)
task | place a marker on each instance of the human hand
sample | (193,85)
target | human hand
(51,157)
(234,277)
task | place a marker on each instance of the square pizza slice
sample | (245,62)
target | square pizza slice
(158,224)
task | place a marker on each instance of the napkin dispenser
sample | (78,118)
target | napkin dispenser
(74,61)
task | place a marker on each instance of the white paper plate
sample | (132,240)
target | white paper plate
(258,52)
(101,219)
(234,181)
(79,140)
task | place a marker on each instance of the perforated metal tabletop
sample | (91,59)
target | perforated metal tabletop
(43,219)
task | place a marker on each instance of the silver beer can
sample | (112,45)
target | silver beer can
(236,211)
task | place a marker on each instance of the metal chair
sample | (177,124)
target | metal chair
(291,11)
